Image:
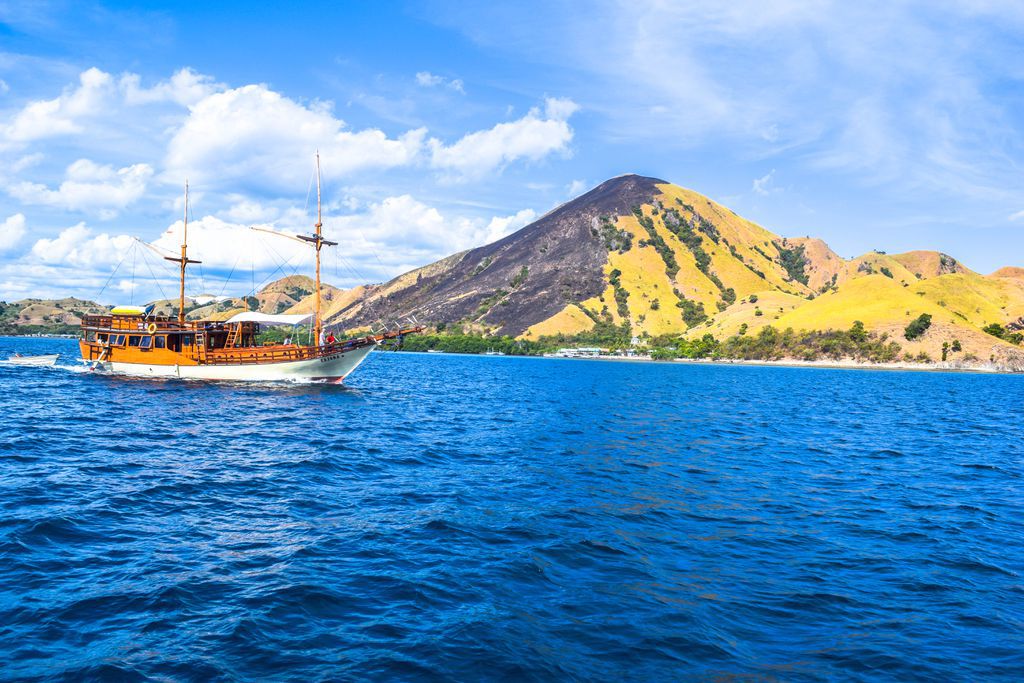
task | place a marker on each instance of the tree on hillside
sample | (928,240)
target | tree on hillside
(918,326)
(995,329)
(857,332)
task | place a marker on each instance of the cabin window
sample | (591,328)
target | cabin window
(146,343)
(186,340)
(160,342)
(118,340)
(134,339)
(102,337)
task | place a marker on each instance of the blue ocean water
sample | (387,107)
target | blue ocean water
(486,518)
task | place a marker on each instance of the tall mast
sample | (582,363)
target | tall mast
(319,243)
(183,261)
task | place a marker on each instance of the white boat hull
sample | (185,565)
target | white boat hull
(330,368)
(35,361)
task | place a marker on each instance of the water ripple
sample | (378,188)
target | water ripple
(449,517)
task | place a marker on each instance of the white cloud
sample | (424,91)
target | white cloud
(77,246)
(256,135)
(100,103)
(11,231)
(1016,216)
(224,244)
(401,232)
(24,162)
(428,80)
(185,87)
(62,115)
(4,88)
(576,188)
(246,210)
(380,241)
(763,185)
(89,187)
(532,137)
(502,226)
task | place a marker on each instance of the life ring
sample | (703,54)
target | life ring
(151,328)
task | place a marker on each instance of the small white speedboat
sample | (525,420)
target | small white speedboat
(38,361)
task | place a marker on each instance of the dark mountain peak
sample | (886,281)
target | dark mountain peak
(527,276)
(615,196)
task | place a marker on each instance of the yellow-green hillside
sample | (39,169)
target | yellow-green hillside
(689,252)
(667,261)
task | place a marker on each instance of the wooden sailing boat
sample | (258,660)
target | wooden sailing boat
(130,341)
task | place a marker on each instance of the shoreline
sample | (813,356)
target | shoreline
(848,364)
(842,364)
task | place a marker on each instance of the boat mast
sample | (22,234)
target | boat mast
(183,261)
(319,243)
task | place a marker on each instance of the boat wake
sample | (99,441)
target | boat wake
(77,369)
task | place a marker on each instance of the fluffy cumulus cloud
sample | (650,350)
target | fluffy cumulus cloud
(62,115)
(89,187)
(382,240)
(257,135)
(418,233)
(77,246)
(11,232)
(251,139)
(377,242)
(100,96)
(249,148)
(533,137)
(502,226)
(185,88)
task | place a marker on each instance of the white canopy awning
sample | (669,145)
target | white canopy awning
(267,319)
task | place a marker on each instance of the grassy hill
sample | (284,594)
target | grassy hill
(665,262)
(45,316)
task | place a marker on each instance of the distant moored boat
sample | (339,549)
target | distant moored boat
(39,361)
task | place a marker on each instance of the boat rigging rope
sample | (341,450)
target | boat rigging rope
(230,273)
(282,265)
(145,260)
(309,190)
(135,256)
(111,277)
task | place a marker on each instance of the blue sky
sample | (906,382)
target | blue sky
(442,126)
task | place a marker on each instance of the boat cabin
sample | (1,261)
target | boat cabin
(159,340)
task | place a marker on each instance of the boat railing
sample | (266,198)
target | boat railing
(133,323)
(245,355)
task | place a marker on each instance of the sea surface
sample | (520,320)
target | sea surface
(449,517)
